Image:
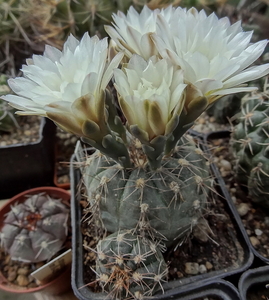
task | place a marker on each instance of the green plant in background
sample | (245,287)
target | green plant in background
(225,109)
(34,23)
(146,183)
(255,17)
(250,143)
(36,229)
(39,22)
(8,120)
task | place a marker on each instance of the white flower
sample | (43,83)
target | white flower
(132,31)
(151,94)
(214,55)
(65,86)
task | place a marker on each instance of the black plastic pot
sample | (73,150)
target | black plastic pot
(253,284)
(25,166)
(226,135)
(217,290)
(172,288)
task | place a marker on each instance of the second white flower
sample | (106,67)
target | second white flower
(151,94)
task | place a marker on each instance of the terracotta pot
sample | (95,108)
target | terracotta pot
(58,285)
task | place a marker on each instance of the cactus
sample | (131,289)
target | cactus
(129,265)
(144,210)
(250,143)
(36,229)
(163,204)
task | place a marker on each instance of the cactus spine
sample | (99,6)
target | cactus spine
(129,265)
(138,206)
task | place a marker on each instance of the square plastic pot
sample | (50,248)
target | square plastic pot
(256,279)
(217,290)
(172,288)
(25,166)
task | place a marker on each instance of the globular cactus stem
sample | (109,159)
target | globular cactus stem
(129,266)
(250,144)
(163,205)
(35,230)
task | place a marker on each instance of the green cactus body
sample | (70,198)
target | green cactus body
(250,142)
(129,265)
(163,204)
(35,230)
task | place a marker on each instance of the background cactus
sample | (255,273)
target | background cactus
(36,229)
(36,22)
(163,204)
(7,117)
(250,143)
(129,265)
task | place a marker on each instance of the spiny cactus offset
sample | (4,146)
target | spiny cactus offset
(250,143)
(129,265)
(36,229)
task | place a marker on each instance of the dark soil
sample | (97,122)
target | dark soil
(258,292)
(223,252)
(255,219)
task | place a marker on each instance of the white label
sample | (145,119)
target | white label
(53,266)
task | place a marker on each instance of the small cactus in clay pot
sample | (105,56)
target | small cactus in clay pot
(36,229)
